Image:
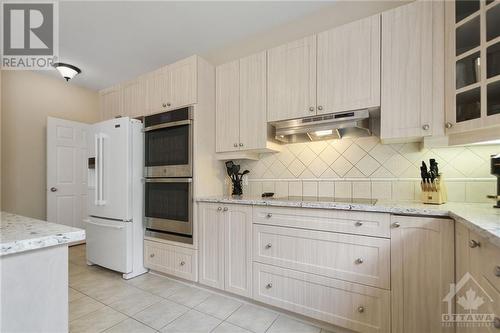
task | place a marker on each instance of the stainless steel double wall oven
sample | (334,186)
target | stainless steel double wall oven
(168,175)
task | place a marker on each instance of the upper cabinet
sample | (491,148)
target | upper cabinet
(241,108)
(164,89)
(412,101)
(349,67)
(472,71)
(291,80)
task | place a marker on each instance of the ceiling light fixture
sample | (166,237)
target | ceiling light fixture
(67,71)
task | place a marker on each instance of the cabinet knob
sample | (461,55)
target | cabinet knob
(474,244)
(151,255)
(358,261)
(311,108)
(396,225)
(320,107)
(164,105)
(53,189)
(269,285)
(235,145)
(225,209)
(182,263)
(268,246)
(241,144)
(497,271)
(361,309)
(219,208)
(358,223)
(269,215)
(426,127)
(168,104)
(496,322)
(448,125)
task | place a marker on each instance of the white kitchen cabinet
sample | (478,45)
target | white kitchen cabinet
(422,269)
(349,66)
(241,109)
(182,83)
(478,257)
(134,97)
(225,247)
(110,102)
(291,80)
(227,107)
(412,93)
(157,82)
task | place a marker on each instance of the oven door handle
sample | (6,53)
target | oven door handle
(168,180)
(166,125)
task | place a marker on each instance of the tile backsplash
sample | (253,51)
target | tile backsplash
(365,168)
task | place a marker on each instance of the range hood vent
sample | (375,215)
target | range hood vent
(350,124)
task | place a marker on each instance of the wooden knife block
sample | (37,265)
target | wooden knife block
(434,193)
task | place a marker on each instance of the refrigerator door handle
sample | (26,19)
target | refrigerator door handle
(101,201)
(97,170)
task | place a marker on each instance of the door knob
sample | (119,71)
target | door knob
(320,108)
(361,309)
(269,285)
(474,244)
(426,127)
(358,224)
(396,225)
(241,144)
(268,246)
(168,104)
(182,263)
(164,105)
(152,255)
(311,108)
(448,125)
(53,189)
(219,208)
(269,215)
(235,145)
(496,322)
(225,209)
(358,261)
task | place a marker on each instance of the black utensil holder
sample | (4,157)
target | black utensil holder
(237,187)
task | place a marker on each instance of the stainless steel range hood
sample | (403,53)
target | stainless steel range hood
(349,124)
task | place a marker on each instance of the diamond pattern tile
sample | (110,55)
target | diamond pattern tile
(354,153)
(307,156)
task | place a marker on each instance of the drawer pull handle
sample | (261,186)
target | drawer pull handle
(396,225)
(358,261)
(358,224)
(473,244)
(361,309)
(268,246)
(269,285)
(152,255)
(182,263)
(496,322)
(269,215)
(497,271)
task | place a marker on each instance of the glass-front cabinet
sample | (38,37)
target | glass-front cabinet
(473,65)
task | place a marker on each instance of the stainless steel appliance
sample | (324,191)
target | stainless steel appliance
(168,188)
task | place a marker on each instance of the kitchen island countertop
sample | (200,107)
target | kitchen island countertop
(480,217)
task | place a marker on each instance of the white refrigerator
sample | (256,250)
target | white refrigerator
(114,228)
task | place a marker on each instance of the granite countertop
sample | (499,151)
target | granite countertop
(20,234)
(481,218)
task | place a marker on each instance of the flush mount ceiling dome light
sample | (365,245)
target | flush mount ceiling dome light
(67,71)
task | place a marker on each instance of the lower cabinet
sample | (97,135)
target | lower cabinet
(478,279)
(422,269)
(170,259)
(226,247)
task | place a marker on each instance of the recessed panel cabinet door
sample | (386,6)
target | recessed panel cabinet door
(422,268)
(349,66)
(291,80)
(110,102)
(227,96)
(182,83)
(158,82)
(253,106)
(134,97)
(407,73)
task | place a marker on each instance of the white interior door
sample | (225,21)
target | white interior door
(66,171)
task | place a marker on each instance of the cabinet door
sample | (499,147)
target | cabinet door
(110,102)
(349,66)
(406,101)
(238,249)
(291,80)
(211,242)
(157,82)
(227,116)
(182,83)
(134,97)
(422,268)
(253,105)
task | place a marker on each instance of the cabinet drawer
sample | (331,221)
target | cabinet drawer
(355,307)
(352,258)
(361,223)
(485,261)
(169,259)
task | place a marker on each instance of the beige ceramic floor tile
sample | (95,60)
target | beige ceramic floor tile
(157,285)
(189,296)
(226,327)
(219,306)
(130,326)
(96,321)
(192,322)
(74,294)
(161,314)
(253,318)
(133,303)
(287,325)
(83,306)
